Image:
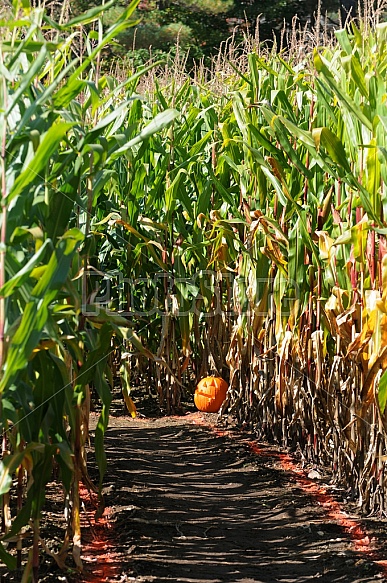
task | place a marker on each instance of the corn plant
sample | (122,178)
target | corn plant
(233,227)
(313,340)
(270,206)
(64,127)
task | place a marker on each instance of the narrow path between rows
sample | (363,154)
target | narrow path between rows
(189,505)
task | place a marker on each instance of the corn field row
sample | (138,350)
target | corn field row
(166,227)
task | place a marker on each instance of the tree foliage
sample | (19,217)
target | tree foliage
(202,25)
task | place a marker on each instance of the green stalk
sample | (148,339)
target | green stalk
(6,514)
(4,209)
(100,39)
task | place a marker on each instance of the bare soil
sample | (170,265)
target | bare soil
(186,504)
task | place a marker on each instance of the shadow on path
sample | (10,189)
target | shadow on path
(193,507)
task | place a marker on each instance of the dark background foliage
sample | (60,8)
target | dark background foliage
(202,25)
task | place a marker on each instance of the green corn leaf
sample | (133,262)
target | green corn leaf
(373,176)
(5,479)
(28,46)
(282,136)
(36,312)
(343,38)
(60,206)
(118,112)
(239,109)
(36,167)
(323,96)
(239,73)
(8,559)
(66,94)
(277,186)
(287,108)
(93,370)
(383,120)
(41,99)
(199,147)
(21,276)
(326,138)
(255,77)
(265,65)
(122,24)
(358,76)
(9,465)
(58,267)
(12,24)
(25,339)
(354,109)
(89,16)
(382,392)
(296,260)
(106,398)
(97,315)
(265,143)
(304,136)
(26,80)
(227,196)
(161,120)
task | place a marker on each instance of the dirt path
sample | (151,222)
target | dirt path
(188,505)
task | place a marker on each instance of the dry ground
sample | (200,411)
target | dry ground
(190,506)
(188,503)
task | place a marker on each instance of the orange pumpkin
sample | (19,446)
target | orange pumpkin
(210,394)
